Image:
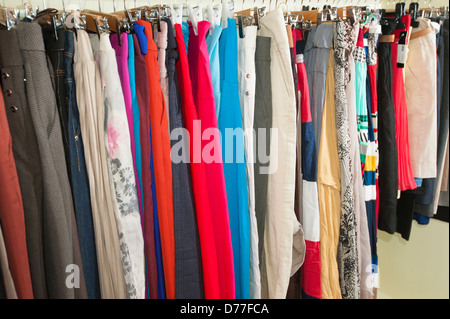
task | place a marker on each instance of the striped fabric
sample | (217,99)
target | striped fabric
(371,164)
(361,104)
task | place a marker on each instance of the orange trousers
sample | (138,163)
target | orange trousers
(162,161)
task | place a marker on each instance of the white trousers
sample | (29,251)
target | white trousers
(281,225)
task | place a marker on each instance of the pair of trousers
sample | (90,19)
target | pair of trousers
(162,162)
(58,221)
(120,165)
(295,289)
(152,240)
(16,275)
(347,258)
(247,84)
(234,164)
(387,142)
(92,119)
(427,204)
(262,124)
(370,175)
(405,173)
(188,264)
(55,51)
(371,179)
(203,95)
(197,170)
(310,216)
(25,157)
(329,187)
(421,100)
(78,176)
(282,229)
(355,93)
(316,61)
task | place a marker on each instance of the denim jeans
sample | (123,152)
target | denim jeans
(78,174)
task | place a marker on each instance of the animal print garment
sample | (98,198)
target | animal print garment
(347,250)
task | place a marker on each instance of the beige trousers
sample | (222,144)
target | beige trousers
(92,118)
(283,232)
(329,190)
(421,100)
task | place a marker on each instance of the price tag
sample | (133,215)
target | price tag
(401,50)
(366,42)
(401,55)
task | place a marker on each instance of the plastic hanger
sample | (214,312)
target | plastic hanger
(176,14)
(195,15)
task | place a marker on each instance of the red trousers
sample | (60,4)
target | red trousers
(405,175)
(11,212)
(203,93)
(199,181)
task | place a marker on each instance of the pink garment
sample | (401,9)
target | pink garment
(122,64)
(161,43)
(202,90)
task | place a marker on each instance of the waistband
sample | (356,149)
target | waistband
(421,33)
(10,54)
(30,36)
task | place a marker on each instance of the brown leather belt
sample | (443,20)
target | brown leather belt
(387,38)
(421,33)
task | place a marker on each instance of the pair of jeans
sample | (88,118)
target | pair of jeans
(54,48)
(78,175)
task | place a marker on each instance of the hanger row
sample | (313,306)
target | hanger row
(122,21)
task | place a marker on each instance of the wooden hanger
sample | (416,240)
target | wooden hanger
(114,21)
(308,15)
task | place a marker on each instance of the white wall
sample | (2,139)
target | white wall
(418,268)
(415,269)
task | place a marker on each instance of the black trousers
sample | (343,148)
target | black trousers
(388,174)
